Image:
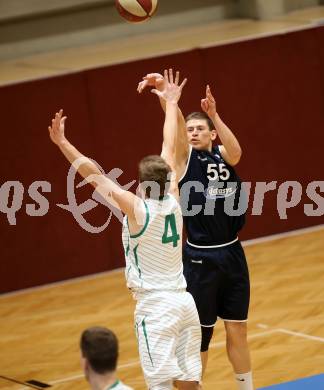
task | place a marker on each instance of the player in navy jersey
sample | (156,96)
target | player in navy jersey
(214,262)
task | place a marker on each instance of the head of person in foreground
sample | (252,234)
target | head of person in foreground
(99,354)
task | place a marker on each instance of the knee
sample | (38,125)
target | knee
(236,334)
(206,336)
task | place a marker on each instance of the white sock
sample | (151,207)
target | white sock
(244,381)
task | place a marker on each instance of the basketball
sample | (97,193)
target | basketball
(136,10)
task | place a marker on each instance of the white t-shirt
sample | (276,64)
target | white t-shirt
(118,385)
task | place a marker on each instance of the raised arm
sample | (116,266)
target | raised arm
(230,148)
(156,80)
(170,95)
(125,200)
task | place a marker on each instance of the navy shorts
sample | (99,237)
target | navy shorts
(218,279)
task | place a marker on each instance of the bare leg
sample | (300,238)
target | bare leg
(237,346)
(204,360)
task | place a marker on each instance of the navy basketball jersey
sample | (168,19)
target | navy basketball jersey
(212,202)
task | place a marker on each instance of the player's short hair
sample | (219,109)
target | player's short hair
(201,115)
(154,169)
(100,347)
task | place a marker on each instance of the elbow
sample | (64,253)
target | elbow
(237,157)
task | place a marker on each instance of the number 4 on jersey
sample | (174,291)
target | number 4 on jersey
(170,224)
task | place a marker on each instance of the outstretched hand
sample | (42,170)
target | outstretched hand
(208,104)
(172,90)
(151,80)
(56,131)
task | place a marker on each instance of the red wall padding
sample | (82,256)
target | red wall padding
(270,91)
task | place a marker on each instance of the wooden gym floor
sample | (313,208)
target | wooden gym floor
(40,328)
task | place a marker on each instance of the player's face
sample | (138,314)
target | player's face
(199,135)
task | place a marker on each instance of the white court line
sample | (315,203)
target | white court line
(71,378)
(299,334)
(263,326)
(293,333)
(213,345)
(271,331)
(252,336)
(79,376)
(137,362)
(245,243)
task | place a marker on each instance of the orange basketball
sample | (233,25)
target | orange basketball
(136,10)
